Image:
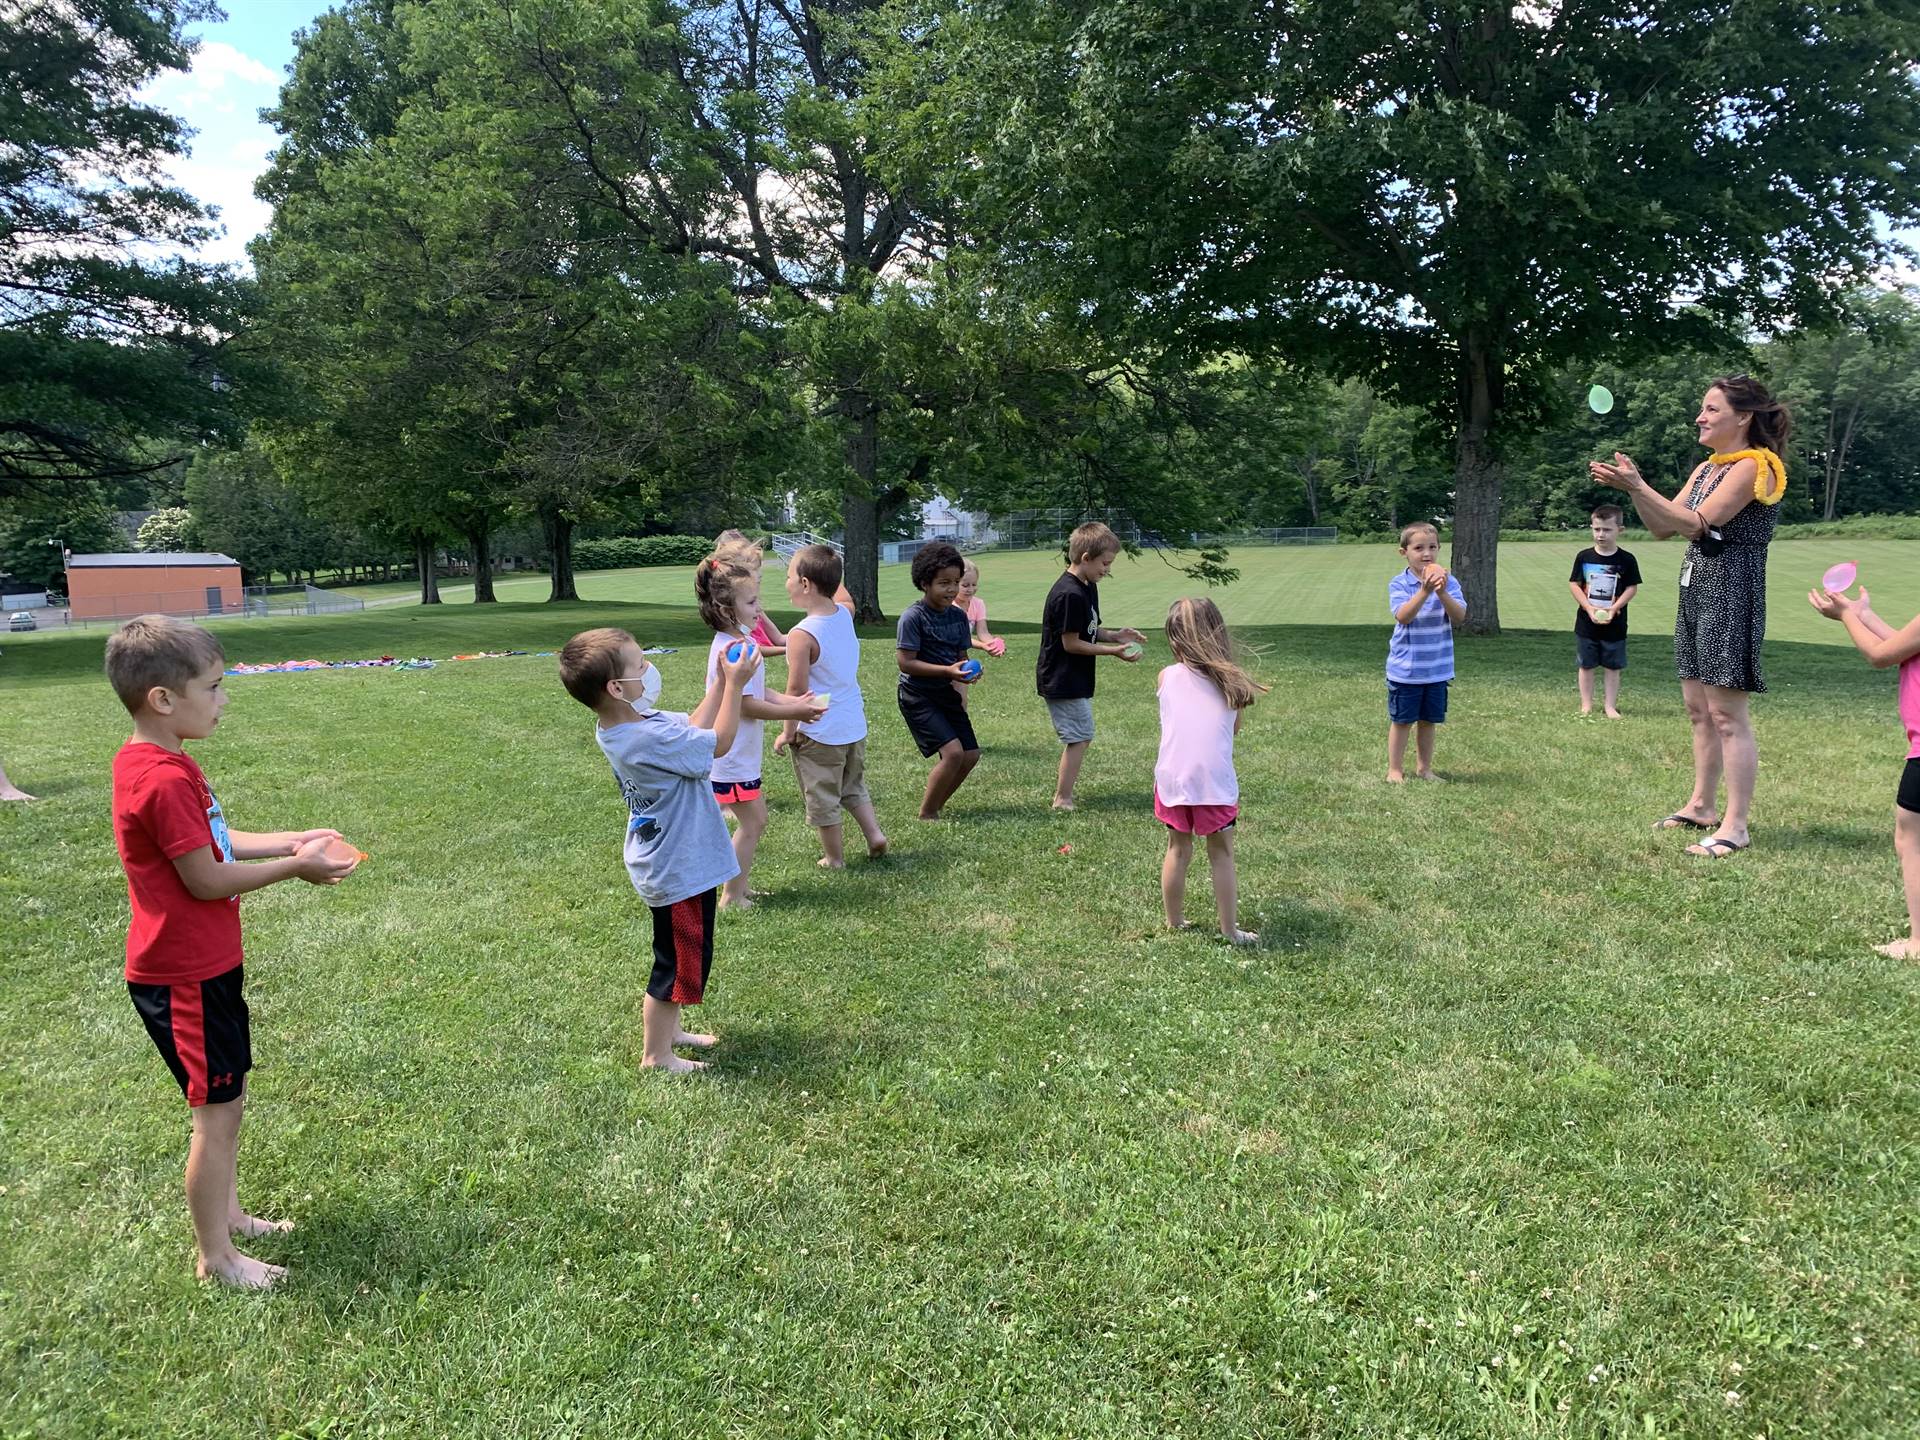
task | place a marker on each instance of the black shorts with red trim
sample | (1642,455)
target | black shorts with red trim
(683,948)
(201,1030)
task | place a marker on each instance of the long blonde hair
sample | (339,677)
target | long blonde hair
(1198,637)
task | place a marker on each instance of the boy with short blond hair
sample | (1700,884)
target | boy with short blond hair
(1071,638)
(1604,579)
(677,851)
(186,872)
(830,753)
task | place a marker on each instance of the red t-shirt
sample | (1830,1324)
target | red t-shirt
(163,809)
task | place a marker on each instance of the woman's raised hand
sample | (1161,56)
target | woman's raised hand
(1622,474)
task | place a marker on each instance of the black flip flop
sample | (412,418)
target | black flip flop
(1717,847)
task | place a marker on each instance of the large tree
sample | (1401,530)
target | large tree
(103,346)
(1452,200)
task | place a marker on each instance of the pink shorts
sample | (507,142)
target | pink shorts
(1194,819)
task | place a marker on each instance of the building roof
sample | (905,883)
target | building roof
(147,559)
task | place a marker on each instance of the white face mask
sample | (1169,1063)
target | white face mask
(649,689)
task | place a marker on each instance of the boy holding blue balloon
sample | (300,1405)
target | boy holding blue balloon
(677,851)
(932,642)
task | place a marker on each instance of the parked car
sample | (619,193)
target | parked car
(22,620)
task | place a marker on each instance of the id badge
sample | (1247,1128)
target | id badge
(1686,575)
(217,825)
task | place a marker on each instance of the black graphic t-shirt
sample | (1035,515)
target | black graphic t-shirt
(1604,577)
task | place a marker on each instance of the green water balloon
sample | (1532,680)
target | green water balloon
(1600,400)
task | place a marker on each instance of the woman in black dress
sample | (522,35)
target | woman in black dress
(1727,512)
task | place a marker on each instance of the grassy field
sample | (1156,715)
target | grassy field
(1318,585)
(1519,1122)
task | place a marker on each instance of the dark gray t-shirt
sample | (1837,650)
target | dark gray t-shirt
(939,637)
(677,843)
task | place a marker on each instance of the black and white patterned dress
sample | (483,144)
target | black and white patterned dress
(1723,604)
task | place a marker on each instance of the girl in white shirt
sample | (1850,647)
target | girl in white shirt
(728,589)
(1195,790)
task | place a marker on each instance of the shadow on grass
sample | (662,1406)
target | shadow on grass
(1817,836)
(1295,925)
(781,1054)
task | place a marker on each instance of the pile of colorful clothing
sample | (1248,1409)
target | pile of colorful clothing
(385,662)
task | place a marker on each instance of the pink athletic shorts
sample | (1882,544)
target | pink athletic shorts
(1194,819)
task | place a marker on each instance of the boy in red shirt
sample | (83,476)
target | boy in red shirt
(183,947)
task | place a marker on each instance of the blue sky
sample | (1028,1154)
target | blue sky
(241,62)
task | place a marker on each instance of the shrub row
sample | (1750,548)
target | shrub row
(625,552)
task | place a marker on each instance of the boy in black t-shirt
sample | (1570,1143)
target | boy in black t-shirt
(932,653)
(1604,579)
(1070,639)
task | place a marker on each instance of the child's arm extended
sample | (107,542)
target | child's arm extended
(776,641)
(719,709)
(271,844)
(801,649)
(910,663)
(1872,637)
(798,707)
(209,879)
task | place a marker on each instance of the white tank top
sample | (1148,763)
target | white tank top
(1196,741)
(835,673)
(743,761)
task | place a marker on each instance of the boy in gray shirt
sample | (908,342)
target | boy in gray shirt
(677,850)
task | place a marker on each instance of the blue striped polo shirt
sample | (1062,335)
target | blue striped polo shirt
(1420,653)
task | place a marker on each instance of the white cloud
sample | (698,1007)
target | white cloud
(220,98)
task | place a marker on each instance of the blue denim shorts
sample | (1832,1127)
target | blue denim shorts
(1408,704)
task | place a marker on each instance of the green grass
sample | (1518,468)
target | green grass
(1519,1123)
(1319,585)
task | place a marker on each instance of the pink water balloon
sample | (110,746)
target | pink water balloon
(1839,577)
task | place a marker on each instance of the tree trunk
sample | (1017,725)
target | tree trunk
(423,548)
(860,447)
(1476,485)
(480,537)
(558,529)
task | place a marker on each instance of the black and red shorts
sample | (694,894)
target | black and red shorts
(736,792)
(201,1031)
(683,948)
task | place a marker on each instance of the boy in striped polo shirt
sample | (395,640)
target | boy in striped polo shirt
(1427,604)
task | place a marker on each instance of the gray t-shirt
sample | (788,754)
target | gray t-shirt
(938,637)
(677,843)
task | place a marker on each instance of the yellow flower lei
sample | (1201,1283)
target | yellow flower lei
(1770,478)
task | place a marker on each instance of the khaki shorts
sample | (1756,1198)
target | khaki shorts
(832,778)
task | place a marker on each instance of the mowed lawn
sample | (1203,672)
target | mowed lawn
(1519,1122)
(1308,585)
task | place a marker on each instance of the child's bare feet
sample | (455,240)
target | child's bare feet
(13,792)
(1586,712)
(1900,950)
(728,902)
(825,864)
(876,848)
(924,815)
(1429,775)
(1237,936)
(674,1065)
(242,1272)
(1615,715)
(698,1042)
(1060,804)
(252,1226)
(1395,777)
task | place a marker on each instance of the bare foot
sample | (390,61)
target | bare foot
(1394,777)
(1900,950)
(12,793)
(674,1065)
(876,848)
(1615,715)
(825,864)
(698,1042)
(242,1272)
(252,1226)
(925,816)
(1429,775)
(1240,937)
(728,902)
(1174,927)
(1586,712)
(1060,804)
